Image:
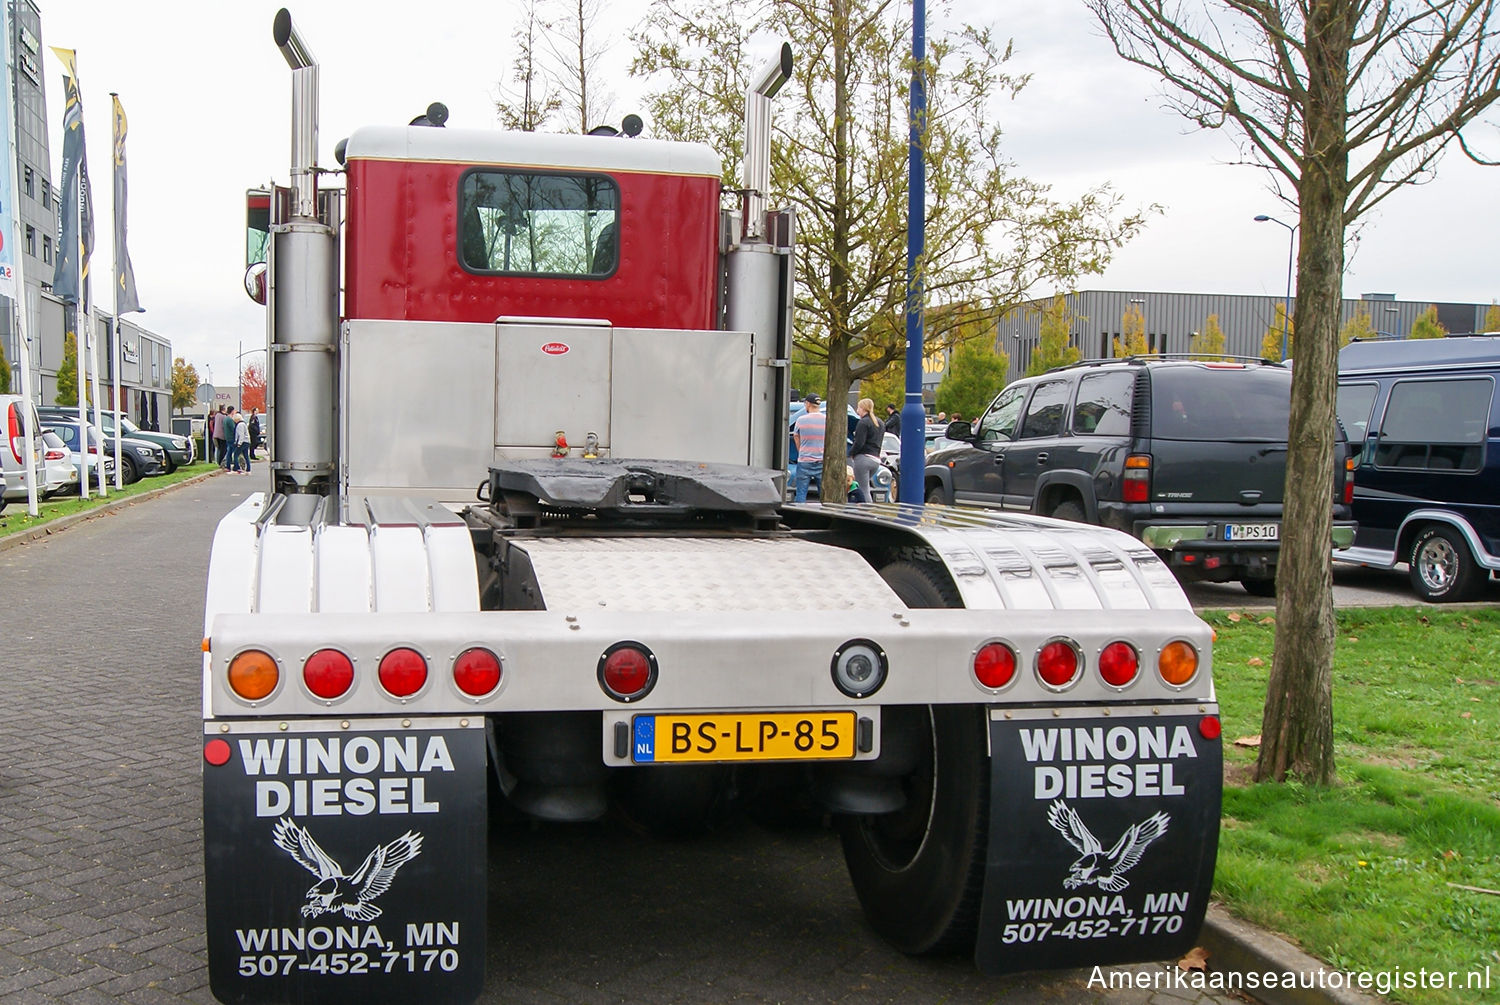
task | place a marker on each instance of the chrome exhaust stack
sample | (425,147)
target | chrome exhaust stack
(755,176)
(302,390)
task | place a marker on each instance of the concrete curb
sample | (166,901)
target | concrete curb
(1236,946)
(63,523)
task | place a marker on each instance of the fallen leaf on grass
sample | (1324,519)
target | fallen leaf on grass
(1248,741)
(1450,854)
(1235,617)
(1473,699)
(1268,620)
(1255,661)
(1354,638)
(1196,959)
(1466,715)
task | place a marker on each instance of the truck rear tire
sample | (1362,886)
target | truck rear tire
(919,871)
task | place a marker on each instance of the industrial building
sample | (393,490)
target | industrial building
(145,357)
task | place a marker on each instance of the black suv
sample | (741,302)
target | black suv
(1187,455)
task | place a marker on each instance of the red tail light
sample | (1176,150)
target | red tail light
(1135,486)
(13,432)
(57,455)
(403,672)
(627,671)
(476,672)
(1057,663)
(1348,481)
(328,674)
(995,665)
(1118,664)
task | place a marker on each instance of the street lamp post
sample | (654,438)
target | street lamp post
(1291,247)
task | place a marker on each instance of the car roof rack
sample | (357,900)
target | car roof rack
(1206,357)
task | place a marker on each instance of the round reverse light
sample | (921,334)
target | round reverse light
(1178,663)
(253,675)
(859,668)
(1057,663)
(403,672)
(995,665)
(328,674)
(627,671)
(1119,663)
(476,672)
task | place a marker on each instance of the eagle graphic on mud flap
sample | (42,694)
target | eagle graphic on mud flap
(1104,869)
(334,891)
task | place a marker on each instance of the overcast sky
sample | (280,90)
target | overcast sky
(207,97)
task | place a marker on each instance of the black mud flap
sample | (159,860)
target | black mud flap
(1103,834)
(344,861)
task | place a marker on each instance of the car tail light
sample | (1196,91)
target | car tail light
(1348,481)
(476,672)
(995,665)
(13,432)
(1118,664)
(403,672)
(253,675)
(1057,663)
(56,455)
(328,673)
(1178,663)
(627,671)
(1135,486)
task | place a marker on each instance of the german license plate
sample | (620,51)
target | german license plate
(1252,531)
(754,736)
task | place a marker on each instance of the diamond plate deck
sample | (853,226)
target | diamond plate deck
(703,574)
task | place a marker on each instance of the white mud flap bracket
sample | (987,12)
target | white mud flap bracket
(1104,827)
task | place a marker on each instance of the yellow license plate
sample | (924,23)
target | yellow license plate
(754,736)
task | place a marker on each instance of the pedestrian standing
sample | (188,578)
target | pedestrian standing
(241,448)
(892,420)
(808,434)
(864,455)
(221,455)
(254,432)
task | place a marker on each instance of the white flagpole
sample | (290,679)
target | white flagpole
(88,300)
(23,327)
(81,341)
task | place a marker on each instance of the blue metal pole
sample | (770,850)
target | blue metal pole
(913,415)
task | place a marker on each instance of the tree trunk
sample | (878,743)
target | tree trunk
(1297,727)
(836,403)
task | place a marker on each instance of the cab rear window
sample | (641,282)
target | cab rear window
(1208,403)
(533,224)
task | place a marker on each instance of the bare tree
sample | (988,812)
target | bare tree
(577,45)
(1343,102)
(531,99)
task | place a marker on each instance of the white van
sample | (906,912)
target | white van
(15,425)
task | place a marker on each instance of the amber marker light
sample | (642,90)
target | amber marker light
(253,675)
(1178,663)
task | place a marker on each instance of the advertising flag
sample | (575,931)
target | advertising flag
(77,206)
(126,299)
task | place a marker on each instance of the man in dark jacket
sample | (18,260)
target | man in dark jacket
(892,420)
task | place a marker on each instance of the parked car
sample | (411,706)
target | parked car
(15,426)
(138,459)
(178,449)
(1423,419)
(83,465)
(1187,455)
(61,475)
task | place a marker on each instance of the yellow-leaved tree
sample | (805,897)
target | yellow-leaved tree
(1280,329)
(1132,340)
(1053,343)
(1427,325)
(1209,341)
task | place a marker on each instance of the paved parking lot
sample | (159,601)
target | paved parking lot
(100,843)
